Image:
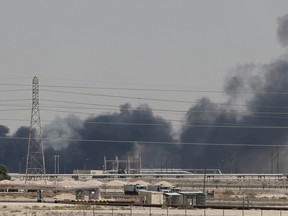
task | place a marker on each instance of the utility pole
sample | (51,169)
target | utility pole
(56,165)
(204,180)
(35,163)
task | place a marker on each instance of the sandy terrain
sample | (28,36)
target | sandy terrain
(46,209)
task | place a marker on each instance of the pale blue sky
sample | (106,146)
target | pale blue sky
(148,44)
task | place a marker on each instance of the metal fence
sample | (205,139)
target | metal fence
(148,211)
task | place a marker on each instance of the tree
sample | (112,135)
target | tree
(3,173)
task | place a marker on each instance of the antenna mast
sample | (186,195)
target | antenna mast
(35,163)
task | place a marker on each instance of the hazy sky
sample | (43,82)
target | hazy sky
(133,44)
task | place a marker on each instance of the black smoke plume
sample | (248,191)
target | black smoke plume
(255,113)
(109,135)
(83,144)
(261,93)
(13,151)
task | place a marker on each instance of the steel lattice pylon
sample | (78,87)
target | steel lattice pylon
(35,163)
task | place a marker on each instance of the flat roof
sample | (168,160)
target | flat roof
(172,194)
(191,192)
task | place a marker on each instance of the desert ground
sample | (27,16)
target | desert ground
(47,209)
(21,203)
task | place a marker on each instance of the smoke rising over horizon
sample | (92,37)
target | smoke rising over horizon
(59,133)
(255,113)
(263,90)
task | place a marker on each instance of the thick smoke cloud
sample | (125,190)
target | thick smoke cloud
(13,151)
(82,144)
(256,98)
(61,131)
(139,125)
(264,91)
(111,134)
(282,30)
(261,93)
(241,81)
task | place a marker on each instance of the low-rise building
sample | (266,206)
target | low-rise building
(185,198)
(151,197)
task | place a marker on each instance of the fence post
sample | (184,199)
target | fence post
(243,205)
(150,211)
(131,210)
(261,212)
(223,212)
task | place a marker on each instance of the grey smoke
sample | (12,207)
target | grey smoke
(137,150)
(261,93)
(79,141)
(263,89)
(257,88)
(282,30)
(61,132)
(138,124)
(241,81)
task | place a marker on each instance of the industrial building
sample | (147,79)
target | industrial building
(151,197)
(185,198)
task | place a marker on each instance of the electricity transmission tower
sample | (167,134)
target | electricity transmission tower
(35,163)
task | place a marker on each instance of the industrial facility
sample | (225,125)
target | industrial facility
(125,181)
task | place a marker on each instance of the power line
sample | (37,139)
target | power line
(119,96)
(116,96)
(203,125)
(192,102)
(145,98)
(161,110)
(10,100)
(218,112)
(155,142)
(16,109)
(170,120)
(150,89)
(246,114)
(15,90)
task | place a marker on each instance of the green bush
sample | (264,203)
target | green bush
(3,173)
